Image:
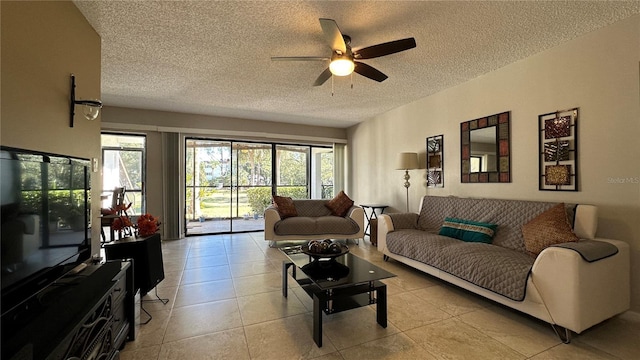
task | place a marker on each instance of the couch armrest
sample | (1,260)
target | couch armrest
(386,225)
(586,221)
(357,214)
(271,216)
(579,294)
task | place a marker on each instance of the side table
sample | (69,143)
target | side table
(372,215)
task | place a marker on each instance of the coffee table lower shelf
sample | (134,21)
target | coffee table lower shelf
(335,300)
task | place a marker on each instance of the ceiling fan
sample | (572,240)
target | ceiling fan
(343,58)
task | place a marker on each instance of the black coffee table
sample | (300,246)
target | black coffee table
(336,285)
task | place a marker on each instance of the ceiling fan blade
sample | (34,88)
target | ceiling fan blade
(333,35)
(369,71)
(299,58)
(383,49)
(326,74)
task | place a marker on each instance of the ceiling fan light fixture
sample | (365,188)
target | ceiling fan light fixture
(341,65)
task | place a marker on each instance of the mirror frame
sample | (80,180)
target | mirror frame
(503,149)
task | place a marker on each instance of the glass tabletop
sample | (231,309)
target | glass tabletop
(345,270)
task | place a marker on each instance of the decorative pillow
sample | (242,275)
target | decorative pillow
(467,230)
(340,204)
(285,206)
(549,228)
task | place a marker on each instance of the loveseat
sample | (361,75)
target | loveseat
(571,285)
(313,220)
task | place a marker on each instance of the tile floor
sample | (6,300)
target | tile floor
(226,303)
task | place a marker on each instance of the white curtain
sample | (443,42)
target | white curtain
(339,167)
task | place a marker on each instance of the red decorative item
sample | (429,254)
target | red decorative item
(147,225)
(120,223)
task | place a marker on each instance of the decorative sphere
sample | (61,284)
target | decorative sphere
(315,246)
(335,248)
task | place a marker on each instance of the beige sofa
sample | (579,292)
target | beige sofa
(314,221)
(561,288)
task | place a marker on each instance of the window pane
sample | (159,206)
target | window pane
(253,164)
(123,166)
(321,173)
(292,165)
(210,164)
(123,141)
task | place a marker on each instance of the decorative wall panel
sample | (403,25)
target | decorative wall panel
(558,141)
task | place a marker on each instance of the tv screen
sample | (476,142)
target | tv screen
(45,215)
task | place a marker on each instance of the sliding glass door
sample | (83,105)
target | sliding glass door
(252,185)
(229,184)
(208,186)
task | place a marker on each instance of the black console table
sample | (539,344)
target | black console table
(146,253)
(148,269)
(88,315)
(374,214)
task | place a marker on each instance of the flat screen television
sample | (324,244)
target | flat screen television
(45,211)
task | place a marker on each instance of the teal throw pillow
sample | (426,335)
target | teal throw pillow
(467,230)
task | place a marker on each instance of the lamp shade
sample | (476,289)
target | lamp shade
(407,161)
(341,64)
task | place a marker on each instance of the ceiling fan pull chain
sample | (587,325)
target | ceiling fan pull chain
(351,81)
(331,85)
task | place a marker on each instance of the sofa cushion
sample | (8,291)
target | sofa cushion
(404,220)
(467,230)
(306,225)
(311,207)
(509,215)
(549,228)
(285,206)
(340,204)
(498,269)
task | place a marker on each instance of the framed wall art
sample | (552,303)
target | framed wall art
(435,161)
(558,150)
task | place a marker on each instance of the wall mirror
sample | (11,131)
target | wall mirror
(485,154)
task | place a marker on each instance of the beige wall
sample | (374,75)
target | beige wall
(162,121)
(599,73)
(42,44)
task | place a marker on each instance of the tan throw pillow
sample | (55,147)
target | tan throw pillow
(340,204)
(549,228)
(285,206)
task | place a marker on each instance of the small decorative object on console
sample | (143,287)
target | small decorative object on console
(146,225)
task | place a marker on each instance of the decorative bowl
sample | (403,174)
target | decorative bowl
(326,253)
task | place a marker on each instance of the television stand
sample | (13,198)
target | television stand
(85,315)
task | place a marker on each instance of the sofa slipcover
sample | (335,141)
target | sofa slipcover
(314,221)
(561,288)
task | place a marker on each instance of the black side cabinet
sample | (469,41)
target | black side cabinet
(88,315)
(146,253)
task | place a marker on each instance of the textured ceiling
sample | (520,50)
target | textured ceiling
(213,57)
